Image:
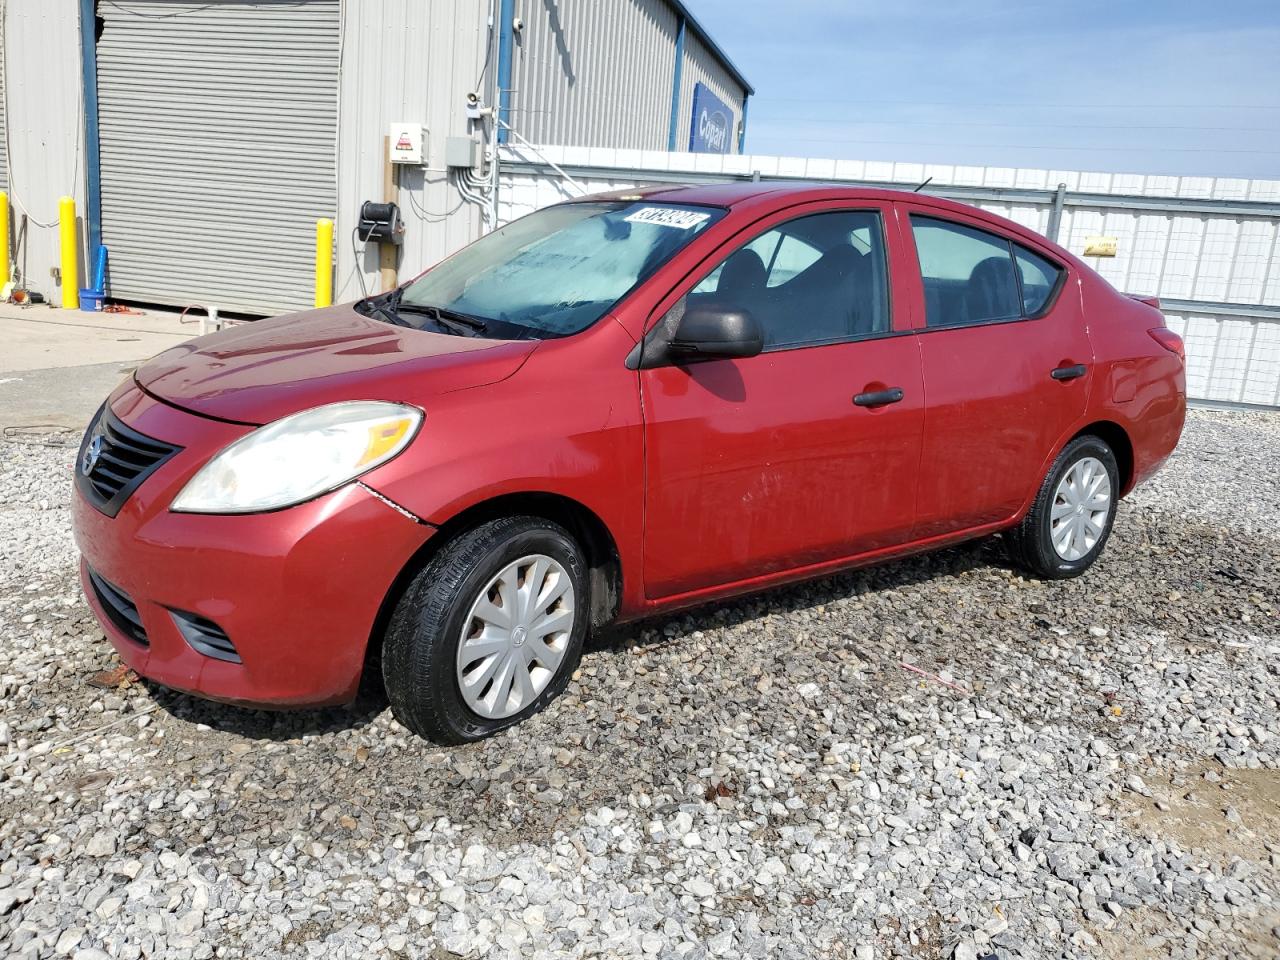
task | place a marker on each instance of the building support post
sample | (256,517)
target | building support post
(92,158)
(506,45)
(673,130)
(389,253)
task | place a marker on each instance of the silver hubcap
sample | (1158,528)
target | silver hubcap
(1080,508)
(515,636)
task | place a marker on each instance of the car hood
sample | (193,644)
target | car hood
(261,371)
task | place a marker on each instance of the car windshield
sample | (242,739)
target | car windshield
(556,271)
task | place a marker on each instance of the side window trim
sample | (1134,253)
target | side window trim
(773,257)
(946,216)
(1017,281)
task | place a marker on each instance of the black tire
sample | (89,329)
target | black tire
(425,628)
(1030,543)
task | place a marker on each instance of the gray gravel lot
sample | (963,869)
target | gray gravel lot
(1083,769)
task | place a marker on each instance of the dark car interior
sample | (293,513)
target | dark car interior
(839,295)
(990,293)
(971,276)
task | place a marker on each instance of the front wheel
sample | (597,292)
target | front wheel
(1071,518)
(488,632)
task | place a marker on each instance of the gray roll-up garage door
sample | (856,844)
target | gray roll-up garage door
(218,133)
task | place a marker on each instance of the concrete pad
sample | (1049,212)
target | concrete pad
(58,398)
(42,337)
(57,366)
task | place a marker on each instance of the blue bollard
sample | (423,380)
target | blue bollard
(100,267)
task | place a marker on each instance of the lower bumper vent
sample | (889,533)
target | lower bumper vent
(120,609)
(205,636)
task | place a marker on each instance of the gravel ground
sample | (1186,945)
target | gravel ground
(1083,769)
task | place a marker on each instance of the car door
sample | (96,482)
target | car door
(808,451)
(1006,361)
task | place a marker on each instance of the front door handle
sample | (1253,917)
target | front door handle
(1069,373)
(879,398)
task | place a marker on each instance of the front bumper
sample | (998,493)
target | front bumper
(297,591)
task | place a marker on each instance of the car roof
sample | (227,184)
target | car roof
(764,195)
(733,193)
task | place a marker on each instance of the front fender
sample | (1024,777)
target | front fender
(529,434)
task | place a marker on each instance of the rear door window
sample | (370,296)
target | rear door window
(968,274)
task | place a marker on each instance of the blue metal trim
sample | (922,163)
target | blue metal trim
(92,158)
(675,85)
(714,47)
(742,130)
(506,38)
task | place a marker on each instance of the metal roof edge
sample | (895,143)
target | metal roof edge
(714,47)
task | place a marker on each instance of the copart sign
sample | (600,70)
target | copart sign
(713,123)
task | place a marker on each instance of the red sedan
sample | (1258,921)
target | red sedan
(610,408)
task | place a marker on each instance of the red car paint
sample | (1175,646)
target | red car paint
(710,480)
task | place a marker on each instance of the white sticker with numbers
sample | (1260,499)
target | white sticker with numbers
(680,219)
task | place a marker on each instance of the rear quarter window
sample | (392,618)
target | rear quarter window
(1039,278)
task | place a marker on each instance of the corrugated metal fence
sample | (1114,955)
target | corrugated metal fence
(1207,247)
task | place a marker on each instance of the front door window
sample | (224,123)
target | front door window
(816,279)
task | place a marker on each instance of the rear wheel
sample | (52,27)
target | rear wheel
(1072,515)
(488,632)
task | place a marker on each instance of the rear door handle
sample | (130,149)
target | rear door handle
(1069,373)
(879,398)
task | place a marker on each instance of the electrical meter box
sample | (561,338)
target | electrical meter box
(408,143)
(459,152)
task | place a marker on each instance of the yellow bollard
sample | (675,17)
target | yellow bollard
(324,263)
(4,239)
(70,255)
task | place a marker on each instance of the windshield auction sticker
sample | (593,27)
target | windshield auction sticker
(678,218)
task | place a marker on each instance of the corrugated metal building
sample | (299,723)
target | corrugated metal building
(202,139)
(618,73)
(408,60)
(44,134)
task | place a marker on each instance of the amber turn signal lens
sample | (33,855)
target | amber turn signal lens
(385,437)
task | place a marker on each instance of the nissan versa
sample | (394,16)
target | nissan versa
(612,407)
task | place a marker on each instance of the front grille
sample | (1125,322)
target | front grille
(205,636)
(121,611)
(114,461)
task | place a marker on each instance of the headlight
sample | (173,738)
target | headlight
(300,457)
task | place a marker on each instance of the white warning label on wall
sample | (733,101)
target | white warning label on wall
(407,143)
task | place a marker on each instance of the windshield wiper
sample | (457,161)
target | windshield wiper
(386,307)
(462,324)
(392,305)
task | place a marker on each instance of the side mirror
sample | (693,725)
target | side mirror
(713,332)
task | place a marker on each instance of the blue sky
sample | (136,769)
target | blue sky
(1164,86)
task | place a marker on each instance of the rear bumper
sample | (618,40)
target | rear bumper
(1157,428)
(297,591)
